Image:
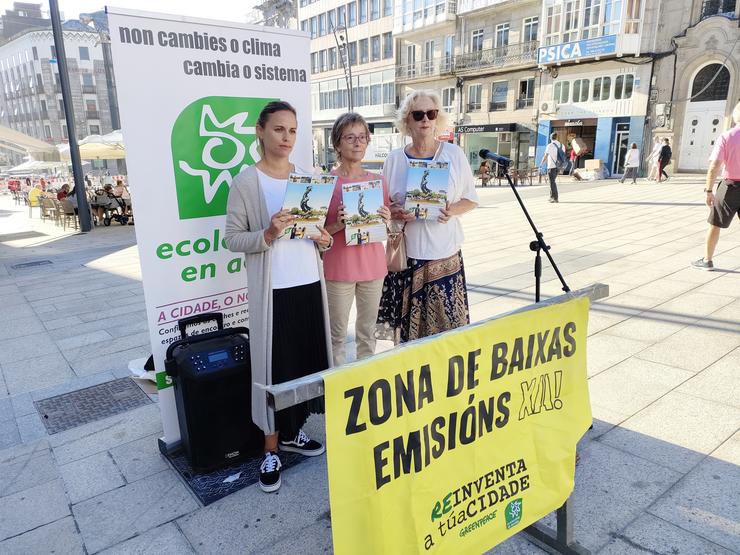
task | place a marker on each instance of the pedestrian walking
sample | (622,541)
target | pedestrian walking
(653,159)
(664,159)
(573,159)
(554,156)
(631,164)
(724,203)
(288,312)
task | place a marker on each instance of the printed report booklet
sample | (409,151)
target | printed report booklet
(426,188)
(361,202)
(307,197)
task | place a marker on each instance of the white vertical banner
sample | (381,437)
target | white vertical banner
(190,92)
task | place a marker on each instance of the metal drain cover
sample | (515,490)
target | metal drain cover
(90,404)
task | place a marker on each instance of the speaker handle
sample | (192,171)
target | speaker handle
(199,319)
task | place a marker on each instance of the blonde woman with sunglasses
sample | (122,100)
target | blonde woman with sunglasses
(431,296)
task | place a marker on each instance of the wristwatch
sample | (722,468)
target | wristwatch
(708,190)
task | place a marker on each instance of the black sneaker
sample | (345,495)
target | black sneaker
(270,472)
(302,444)
(702,264)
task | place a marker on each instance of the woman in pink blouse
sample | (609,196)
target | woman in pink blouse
(353,272)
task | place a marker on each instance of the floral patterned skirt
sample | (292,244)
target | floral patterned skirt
(430,297)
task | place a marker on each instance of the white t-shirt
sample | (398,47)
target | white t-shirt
(294,260)
(551,153)
(632,160)
(425,239)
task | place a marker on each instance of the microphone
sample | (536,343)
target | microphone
(500,160)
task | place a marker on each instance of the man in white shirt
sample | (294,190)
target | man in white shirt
(551,157)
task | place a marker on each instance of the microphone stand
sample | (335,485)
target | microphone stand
(537,246)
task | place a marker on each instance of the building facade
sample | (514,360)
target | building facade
(31,99)
(695,89)
(594,84)
(498,78)
(351,37)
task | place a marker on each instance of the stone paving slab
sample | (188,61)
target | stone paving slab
(706,501)
(163,540)
(118,515)
(719,382)
(56,538)
(26,470)
(102,435)
(248,521)
(139,459)
(673,431)
(37,372)
(32,508)
(649,534)
(91,476)
(628,484)
(634,384)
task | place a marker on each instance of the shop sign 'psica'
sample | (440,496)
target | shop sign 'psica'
(572,51)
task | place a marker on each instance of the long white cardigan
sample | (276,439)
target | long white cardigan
(246,222)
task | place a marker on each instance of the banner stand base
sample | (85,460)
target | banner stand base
(560,541)
(169,448)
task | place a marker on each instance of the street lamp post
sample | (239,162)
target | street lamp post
(74,151)
(340,37)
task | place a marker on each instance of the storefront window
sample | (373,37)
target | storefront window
(602,88)
(562,92)
(623,85)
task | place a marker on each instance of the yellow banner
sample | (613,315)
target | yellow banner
(454,443)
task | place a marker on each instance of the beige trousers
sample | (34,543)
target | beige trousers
(340,295)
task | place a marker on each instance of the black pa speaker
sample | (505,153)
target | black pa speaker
(213,391)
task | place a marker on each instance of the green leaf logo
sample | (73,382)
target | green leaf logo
(513,513)
(213,139)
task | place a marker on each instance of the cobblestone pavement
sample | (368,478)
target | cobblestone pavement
(659,473)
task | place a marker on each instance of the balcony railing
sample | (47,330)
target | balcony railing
(92,114)
(524,103)
(425,69)
(473,106)
(503,56)
(496,106)
(88,89)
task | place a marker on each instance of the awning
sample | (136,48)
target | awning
(26,142)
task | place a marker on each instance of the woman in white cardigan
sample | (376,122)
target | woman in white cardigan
(288,316)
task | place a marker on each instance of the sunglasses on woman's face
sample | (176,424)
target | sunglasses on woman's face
(418,115)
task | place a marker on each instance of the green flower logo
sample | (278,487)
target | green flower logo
(513,513)
(213,139)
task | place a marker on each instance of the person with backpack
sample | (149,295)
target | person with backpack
(555,158)
(664,159)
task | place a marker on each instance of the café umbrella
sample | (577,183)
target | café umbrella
(99,147)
